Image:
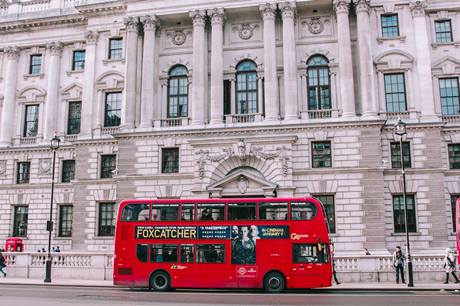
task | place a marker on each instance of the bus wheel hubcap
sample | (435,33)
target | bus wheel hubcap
(274,282)
(160,281)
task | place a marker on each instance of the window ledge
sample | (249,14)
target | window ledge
(456,44)
(110,61)
(404,234)
(38,76)
(72,72)
(382,39)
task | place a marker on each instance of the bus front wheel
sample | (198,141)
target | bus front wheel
(274,282)
(160,281)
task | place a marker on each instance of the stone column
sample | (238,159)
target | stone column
(9,98)
(149,94)
(347,95)
(425,90)
(365,60)
(289,60)
(87,107)
(128,108)
(198,63)
(52,95)
(217,70)
(271,79)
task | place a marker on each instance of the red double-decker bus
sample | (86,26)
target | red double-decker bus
(222,243)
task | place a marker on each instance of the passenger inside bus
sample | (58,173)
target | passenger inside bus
(206,214)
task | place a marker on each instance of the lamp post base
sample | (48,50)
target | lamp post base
(411,274)
(48,270)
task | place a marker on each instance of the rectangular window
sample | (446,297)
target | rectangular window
(396,155)
(449,93)
(21,215)
(273,211)
(227,100)
(329,205)
(163,253)
(35,64)
(453,201)
(395,92)
(186,253)
(170,160)
(165,212)
(390,26)
(241,211)
(106,219)
(321,154)
(74,119)
(108,165)
(31,121)
(65,221)
(210,253)
(68,170)
(454,156)
(116,48)
(310,253)
(78,60)
(112,113)
(142,252)
(443,30)
(23,173)
(398,214)
(210,211)
(188,212)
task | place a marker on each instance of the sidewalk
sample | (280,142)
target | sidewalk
(342,286)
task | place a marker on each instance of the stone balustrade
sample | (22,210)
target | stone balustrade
(99,266)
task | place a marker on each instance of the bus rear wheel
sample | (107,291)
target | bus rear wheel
(160,281)
(274,282)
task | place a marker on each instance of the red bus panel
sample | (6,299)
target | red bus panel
(457,217)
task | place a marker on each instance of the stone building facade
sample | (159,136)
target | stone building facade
(225,98)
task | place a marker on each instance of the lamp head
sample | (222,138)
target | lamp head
(55,142)
(400,127)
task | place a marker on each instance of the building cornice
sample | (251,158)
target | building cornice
(33,24)
(98,9)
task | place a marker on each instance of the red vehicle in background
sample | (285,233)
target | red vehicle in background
(222,243)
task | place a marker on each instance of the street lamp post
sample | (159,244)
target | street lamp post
(400,130)
(54,146)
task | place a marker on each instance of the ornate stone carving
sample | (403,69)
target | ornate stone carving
(245,30)
(198,17)
(91,37)
(288,9)
(178,38)
(131,23)
(55,48)
(243,184)
(149,22)
(268,10)
(341,6)
(418,8)
(217,16)
(203,156)
(362,6)
(44,166)
(12,52)
(2,167)
(315,25)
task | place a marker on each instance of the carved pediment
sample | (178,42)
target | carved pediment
(447,65)
(394,59)
(31,94)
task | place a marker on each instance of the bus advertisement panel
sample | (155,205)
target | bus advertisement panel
(225,243)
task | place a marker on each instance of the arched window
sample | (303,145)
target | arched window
(246,87)
(318,82)
(178,92)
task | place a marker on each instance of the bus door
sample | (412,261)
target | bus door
(309,263)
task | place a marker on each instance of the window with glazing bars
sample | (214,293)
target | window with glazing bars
(106,219)
(78,60)
(65,221)
(443,30)
(178,92)
(108,165)
(169,160)
(31,121)
(398,214)
(246,88)
(396,155)
(74,118)
(21,216)
(329,205)
(390,26)
(449,93)
(454,156)
(68,170)
(116,48)
(23,173)
(319,95)
(321,154)
(395,92)
(112,114)
(35,64)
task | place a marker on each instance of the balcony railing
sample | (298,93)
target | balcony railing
(28,140)
(320,114)
(171,122)
(395,115)
(109,130)
(451,118)
(243,118)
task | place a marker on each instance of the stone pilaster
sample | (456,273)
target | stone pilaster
(347,95)
(128,111)
(88,92)
(289,59)
(149,94)
(268,11)
(368,102)
(217,77)
(425,83)
(9,98)
(52,95)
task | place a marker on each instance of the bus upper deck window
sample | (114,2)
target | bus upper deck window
(135,212)
(273,211)
(242,211)
(210,212)
(303,211)
(165,212)
(188,212)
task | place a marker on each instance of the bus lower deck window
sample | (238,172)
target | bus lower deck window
(310,253)
(210,253)
(163,253)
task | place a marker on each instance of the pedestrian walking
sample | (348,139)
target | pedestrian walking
(2,264)
(398,263)
(449,265)
(334,274)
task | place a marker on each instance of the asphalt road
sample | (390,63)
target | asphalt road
(29,295)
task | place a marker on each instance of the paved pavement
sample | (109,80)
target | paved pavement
(343,286)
